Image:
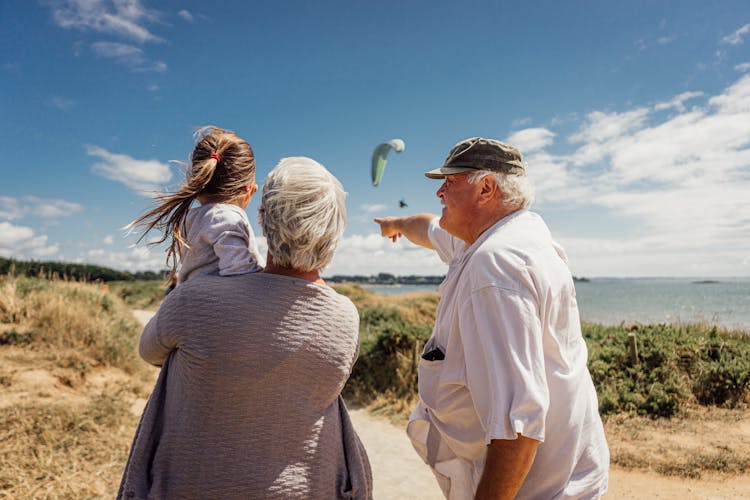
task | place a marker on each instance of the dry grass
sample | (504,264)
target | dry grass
(60,450)
(703,440)
(68,315)
(72,389)
(417,308)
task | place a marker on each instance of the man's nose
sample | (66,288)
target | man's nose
(440,190)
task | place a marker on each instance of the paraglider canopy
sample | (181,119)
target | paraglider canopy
(380,156)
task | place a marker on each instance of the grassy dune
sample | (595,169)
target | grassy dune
(69,374)
(73,386)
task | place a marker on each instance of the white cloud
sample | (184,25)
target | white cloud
(152,67)
(642,257)
(62,103)
(736,37)
(677,185)
(125,18)
(127,55)
(140,175)
(664,40)
(186,15)
(16,208)
(136,258)
(742,67)
(601,126)
(21,242)
(736,99)
(116,50)
(370,254)
(375,208)
(108,240)
(554,178)
(531,139)
(678,102)
(521,122)
(10,208)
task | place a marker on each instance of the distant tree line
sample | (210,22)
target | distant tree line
(73,271)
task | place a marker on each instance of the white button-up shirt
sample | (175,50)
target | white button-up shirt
(515,362)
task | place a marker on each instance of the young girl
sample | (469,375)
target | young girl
(215,236)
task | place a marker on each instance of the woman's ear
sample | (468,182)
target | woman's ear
(251,188)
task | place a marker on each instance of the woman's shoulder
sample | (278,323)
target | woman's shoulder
(342,301)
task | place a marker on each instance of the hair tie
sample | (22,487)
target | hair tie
(216,157)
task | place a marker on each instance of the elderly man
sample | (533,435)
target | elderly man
(507,407)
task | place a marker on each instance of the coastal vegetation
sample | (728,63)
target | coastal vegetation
(677,366)
(73,386)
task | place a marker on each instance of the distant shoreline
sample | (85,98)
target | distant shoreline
(722,302)
(390,279)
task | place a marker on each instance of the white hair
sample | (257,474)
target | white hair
(302,213)
(518,190)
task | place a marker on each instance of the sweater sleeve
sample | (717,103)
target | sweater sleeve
(150,347)
(158,339)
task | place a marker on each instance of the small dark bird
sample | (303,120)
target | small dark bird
(402,203)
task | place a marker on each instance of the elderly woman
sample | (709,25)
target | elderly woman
(248,404)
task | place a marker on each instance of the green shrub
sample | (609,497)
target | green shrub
(677,365)
(389,353)
(13,337)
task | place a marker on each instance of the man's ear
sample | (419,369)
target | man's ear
(489,189)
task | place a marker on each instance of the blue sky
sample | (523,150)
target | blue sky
(634,118)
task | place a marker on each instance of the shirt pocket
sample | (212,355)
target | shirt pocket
(430,373)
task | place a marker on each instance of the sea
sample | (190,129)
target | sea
(724,302)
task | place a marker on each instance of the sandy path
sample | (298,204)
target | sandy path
(143,316)
(398,473)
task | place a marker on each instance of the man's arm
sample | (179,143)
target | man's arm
(508,461)
(414,227)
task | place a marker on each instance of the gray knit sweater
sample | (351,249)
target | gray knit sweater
(247,404)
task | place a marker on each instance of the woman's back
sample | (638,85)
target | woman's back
(250,402)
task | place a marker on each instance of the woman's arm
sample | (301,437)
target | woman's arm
(150,347)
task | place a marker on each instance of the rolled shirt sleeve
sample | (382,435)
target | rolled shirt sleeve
(446,245)
(505,372)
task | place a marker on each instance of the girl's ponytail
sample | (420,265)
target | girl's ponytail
(221,165)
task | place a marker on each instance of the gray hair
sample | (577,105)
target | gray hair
(518,190)
(302,213)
